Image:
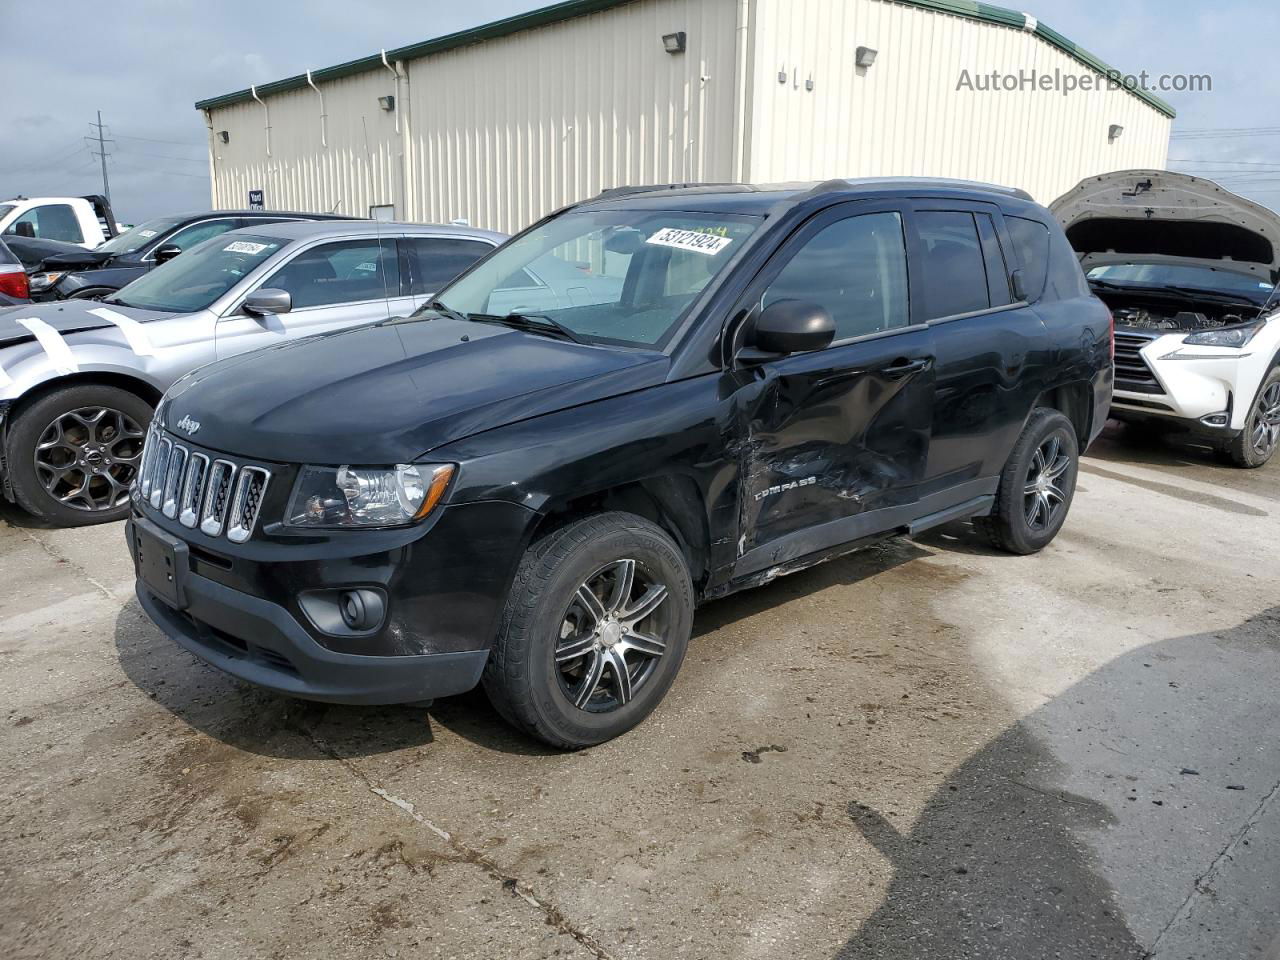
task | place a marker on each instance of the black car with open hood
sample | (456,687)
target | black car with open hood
(533,484)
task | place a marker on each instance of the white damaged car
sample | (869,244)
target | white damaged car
(1189,272)
(79,378)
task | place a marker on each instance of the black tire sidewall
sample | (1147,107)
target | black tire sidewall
(648,545)
(1241,448)
(25,433)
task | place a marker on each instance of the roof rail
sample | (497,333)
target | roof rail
(613,193)
(844,183)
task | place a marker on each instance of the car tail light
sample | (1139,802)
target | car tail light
(13,282)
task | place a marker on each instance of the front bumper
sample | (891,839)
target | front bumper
(242,608)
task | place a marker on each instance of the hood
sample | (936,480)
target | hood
(66,316)
(76,258)
(389,392)
(1155,216)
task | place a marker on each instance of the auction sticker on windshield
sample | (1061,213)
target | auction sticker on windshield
(244,246)
(692,240)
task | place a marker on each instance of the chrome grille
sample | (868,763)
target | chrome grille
(192,488)
(200,490)
(1132,372)
(213,513)
(159,471)
(246,503)
(173,480)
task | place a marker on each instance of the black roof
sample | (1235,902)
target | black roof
(759,199)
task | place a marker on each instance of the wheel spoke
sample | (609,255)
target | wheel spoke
(646,605)
(650,646)
(575,647)
(624,573)
(621,677)
(1030,489)
(1052,492)
(1033,510)
(1057,467)
(591,674)
(591,604)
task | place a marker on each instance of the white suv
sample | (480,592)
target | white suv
(1189,271)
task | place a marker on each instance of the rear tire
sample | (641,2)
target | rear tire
(575,616)
(1036,486)
(56,444)
(1260,437)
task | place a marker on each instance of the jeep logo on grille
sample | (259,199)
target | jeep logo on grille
(189,425)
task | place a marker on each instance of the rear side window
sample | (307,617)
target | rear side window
(954,270)
(857,269)
(1030,240)
(53,221)
(437,260)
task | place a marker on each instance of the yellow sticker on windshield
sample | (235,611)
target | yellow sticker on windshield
(694,241)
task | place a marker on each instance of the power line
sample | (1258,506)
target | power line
(176,143)
(165,156)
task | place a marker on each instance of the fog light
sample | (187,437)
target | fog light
(360,609)
(1215,420)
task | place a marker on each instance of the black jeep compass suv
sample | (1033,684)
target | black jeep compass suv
(642,402)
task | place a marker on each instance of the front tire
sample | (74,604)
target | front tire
(594,631)
(73,453)
(1036,486)
(1258,441)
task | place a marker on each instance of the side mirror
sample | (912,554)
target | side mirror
(25,229)
(791,326)
(268,300)
(166,252)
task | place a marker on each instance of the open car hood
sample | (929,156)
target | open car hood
(1155,216)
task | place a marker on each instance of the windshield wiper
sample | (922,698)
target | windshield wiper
(439,306)
(530,323)
(1173,290)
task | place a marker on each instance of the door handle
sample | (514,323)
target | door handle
(903,367)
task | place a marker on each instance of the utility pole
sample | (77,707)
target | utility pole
(102,155)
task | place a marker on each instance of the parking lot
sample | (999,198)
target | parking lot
(926,749)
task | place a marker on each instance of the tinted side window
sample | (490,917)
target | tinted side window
(855,268)
(188,237)
(437,260)
(954,271)
(53,221)
(1031,247)
(346,272)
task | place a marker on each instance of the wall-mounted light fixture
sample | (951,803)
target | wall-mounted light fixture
(1113,132)
(864,57)
(674,42)
(224,136)
(387,103)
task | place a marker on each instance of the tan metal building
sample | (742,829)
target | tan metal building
(503,123)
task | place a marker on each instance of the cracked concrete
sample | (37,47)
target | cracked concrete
(927,749)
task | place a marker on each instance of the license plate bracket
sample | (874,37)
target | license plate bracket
(160,561)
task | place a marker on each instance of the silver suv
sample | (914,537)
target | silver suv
(79,379)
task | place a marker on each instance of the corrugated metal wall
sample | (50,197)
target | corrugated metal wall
(508,130)
(904,116)
(301,173)
(503,131)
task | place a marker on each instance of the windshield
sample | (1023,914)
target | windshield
(200,276)
(622,277)
(6,209)
(131,241)
(1184,275)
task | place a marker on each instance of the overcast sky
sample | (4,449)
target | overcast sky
(144,64)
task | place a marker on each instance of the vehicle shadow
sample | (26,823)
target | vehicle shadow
(1128,443)
(261,722)
(15,516)
(1056,839)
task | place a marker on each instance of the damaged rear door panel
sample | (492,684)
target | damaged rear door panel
(833,435)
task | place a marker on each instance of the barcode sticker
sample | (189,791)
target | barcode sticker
(692,240)
(244,246)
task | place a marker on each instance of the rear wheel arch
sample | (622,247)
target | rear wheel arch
(1072,400)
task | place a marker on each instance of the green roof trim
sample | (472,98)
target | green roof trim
(568,9)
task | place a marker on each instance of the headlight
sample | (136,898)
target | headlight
(43,281)
(1226,336)
(350,496)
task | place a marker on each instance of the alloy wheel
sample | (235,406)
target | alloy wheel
(1266,421)
(86,458)
(1043,496)
(612,636)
